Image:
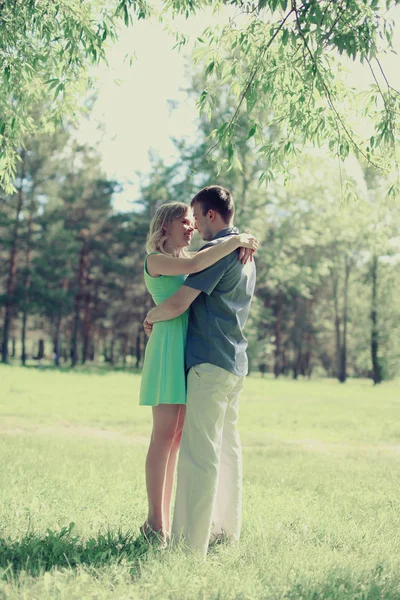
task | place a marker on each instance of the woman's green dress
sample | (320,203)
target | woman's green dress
(163,376)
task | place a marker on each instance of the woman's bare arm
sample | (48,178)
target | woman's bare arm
(161,264)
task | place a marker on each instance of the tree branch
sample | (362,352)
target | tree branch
(328,92)
(247,88)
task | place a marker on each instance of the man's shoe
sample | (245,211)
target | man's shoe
(216,539)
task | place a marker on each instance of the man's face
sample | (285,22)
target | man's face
(201,223)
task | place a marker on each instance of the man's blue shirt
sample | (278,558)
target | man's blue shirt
(218,315)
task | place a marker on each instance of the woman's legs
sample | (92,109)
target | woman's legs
(165,420)
(171,467)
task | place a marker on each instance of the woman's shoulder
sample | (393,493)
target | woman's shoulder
(160,280)
(146,272)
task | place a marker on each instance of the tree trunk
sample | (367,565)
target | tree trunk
(376,368)
(40,353)
(284,362)
(296,337)
(308,341)
(56,342)
(23,335)
(124,349)
(278,309)
(12,269)
(307,357)
(338,336)
(87,324)
(297,362)
(27,280)
(343,349)
(86,329)
(112,347)
(67,345)
(105,351)
(78,302)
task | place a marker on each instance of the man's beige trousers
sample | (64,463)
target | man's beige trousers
(209,487)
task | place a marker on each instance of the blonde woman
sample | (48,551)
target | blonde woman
(163,384)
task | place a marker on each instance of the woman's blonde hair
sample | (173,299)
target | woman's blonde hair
(159,226)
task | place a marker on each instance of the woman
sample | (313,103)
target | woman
(163,379)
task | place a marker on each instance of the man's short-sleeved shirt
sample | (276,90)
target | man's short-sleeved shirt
(218,315)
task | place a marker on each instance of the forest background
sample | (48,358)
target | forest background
(310,158)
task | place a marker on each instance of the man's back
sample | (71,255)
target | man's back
(218,315)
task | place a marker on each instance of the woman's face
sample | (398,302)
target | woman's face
(180,231)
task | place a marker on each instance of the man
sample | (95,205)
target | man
(209,486)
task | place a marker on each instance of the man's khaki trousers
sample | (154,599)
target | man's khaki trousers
(209,486)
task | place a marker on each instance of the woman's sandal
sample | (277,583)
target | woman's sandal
(154,538)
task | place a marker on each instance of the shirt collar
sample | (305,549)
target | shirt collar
(226,231)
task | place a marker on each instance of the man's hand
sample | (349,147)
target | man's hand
(148,327)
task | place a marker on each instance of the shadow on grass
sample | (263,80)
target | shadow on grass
(35,555)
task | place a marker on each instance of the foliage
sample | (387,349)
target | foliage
(283,63)
(45,50)
(310,235)
(276,56)
(85,274)
(314,298)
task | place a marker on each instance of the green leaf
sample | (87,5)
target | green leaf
(59,88)
(203,96)
(251,98)
(222,130)
(252,130)
(126,15)
(236,164)
(53,83)
(231,153)
(210,68)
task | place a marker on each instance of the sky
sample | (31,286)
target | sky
(134,109)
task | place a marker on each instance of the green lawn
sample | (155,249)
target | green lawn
(321,493)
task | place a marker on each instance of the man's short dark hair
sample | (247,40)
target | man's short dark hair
(215,197)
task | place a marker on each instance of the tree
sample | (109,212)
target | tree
(277,53)
(287,55)
(45,50)
(313,245)
(10,301)
(39,162)
(382,230)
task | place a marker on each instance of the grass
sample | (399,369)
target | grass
(321,502)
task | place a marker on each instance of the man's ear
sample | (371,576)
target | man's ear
(211,215)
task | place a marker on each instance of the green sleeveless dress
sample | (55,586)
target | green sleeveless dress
(163,376)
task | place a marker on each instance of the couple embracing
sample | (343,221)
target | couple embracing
(194,368)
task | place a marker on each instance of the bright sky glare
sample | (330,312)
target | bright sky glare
(136,115)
